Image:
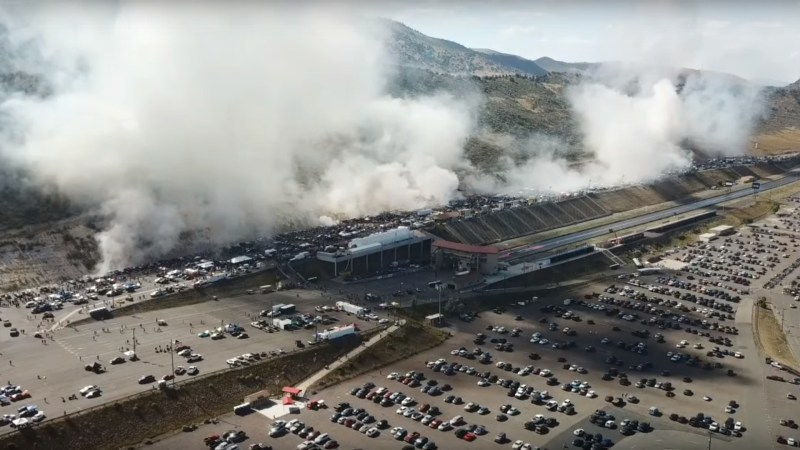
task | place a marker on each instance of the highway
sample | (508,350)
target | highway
(580,236)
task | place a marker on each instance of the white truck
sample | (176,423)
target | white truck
(336,332)
(351,308)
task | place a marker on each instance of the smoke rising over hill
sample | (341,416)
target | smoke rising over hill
(636,125)
(245,120)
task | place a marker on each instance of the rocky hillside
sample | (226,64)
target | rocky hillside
(410,48)
(780,132)
(553,65)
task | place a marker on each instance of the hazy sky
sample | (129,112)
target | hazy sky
(756,40)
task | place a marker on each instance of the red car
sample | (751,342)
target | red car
(411,437)
(435,423)
(469,437)
(424,408)
(21,396)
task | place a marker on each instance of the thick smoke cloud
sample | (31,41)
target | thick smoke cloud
(244,120)
(639,124)
(237,120)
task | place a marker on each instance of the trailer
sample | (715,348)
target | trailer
(287,309)
(351,308)
(336,332)
(283,324)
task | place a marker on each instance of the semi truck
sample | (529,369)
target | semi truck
(351,308)
(336,332)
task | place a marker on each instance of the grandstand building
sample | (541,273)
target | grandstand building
(522,220)
(465,258)
(378,252)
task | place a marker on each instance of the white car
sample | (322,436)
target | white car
(38,417)
(517,445)
(372,432)
(578,432)
(483,382)
(737,426)
(401,409)
(87,389)
(93,393)
(192,370)
(792,442)
(322,438)
(393,375)
(706,398)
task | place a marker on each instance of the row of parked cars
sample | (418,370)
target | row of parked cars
(313,439)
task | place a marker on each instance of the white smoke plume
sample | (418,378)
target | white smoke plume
(637,124)
(236,119)
(243,119)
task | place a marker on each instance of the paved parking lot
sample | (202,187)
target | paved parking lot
(702,312)
(56,369)
(621,336)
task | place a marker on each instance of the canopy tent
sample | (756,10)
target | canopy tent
(292,390)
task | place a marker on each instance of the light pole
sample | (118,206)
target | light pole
(439,288)
(172,359)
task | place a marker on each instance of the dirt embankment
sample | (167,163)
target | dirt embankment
(770,337)
(154,413)
(408,340)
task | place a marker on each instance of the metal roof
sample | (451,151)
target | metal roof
(465,248)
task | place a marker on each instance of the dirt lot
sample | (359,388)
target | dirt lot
(771,339)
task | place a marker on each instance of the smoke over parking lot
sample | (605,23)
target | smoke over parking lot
(239,121)
(248,120)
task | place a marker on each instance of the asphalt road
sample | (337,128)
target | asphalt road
(561,241)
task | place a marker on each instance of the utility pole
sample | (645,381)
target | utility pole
(709,440)
(440,304)
(172,359)
(134,340)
